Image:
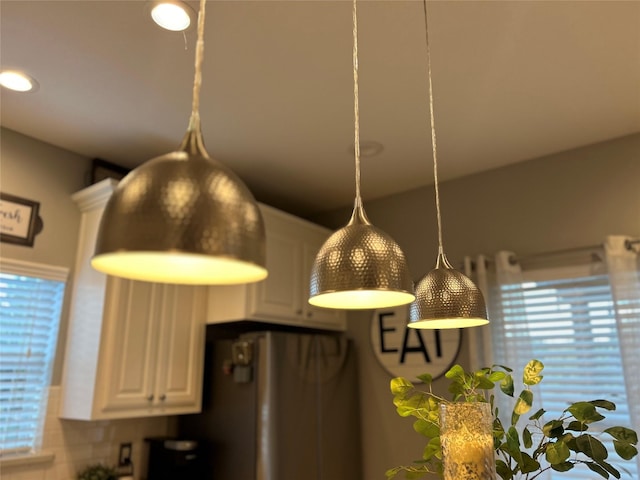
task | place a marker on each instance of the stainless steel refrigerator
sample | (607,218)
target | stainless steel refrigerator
(279,406)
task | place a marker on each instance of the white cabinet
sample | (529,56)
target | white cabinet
(292,244)
(133,348)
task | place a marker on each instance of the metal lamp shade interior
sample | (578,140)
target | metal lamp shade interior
(360,267)
(182,218)
(446,298)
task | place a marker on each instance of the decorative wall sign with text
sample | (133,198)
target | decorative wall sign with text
(409,352)
(19,220)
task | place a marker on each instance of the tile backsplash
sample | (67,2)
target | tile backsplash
(77,444)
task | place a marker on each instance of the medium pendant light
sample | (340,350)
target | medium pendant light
(445,297)
(183,217)
(359,266)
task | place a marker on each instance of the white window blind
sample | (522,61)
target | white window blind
(31,297)
(565,318)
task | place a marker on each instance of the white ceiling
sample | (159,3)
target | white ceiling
(513,80)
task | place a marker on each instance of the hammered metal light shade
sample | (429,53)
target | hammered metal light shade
(360,267)
(446,298)
(182,218)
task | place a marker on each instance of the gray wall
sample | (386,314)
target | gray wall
(566,200)
(48,175)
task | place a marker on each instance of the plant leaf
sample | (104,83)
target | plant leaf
(528,464)
(484,383)
(524,402)
(506,385)
(456,373)
(553,429)
(400,386)
(426,378)
(609,468)
(606,404)
(598,469)
(591,447)
(562,467)
(503,471)
(497,376)
(456,389)
(432,449)
(625,450)
(426,428)
(557,453)
(585,412)
(512,445)
(526,438)
(538,414)
(576,426)
(531,374)
(623,434)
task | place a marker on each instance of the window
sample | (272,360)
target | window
(565,318)
(31,297)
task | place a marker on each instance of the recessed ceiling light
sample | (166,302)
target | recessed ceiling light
(172,15)
(18,81)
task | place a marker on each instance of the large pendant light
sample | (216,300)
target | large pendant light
(359,266)
(183,217)
(445,297)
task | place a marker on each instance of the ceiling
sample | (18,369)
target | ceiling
(513,80)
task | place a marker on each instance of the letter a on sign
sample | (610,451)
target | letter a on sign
(408,352)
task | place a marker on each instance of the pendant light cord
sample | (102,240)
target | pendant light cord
(194,121)
(433,130)
(356,107)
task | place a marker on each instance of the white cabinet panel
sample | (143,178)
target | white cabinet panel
(282,298)
(179,370)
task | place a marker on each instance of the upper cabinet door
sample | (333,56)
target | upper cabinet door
(279,296)
(181,353)
(127,366)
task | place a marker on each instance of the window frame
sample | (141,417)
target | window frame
(47,272)
(549,275)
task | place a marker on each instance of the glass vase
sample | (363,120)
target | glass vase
(466,435)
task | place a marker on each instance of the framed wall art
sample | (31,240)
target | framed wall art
(19,220)
(101,169)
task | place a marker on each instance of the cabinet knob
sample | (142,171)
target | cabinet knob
(309,314)
(163,397)
(298,312)
(150,398)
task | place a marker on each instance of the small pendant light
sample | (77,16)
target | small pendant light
(359,266)
(183,217)
(445,298)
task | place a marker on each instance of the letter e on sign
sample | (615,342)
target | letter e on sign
(409,352)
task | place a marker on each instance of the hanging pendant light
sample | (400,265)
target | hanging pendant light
(445,297)
(183,217)
(359,266)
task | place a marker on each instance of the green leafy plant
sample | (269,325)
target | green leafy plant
(98,472)
(521,452)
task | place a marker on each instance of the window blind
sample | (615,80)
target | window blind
(31,298)
(568,323)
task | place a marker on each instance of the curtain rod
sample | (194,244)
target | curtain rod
(628,244)
(513,259)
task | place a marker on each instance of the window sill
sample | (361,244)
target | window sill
(29,459)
